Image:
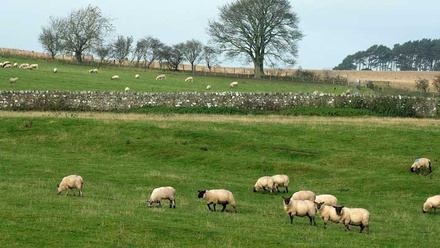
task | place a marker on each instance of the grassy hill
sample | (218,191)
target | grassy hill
(363,161)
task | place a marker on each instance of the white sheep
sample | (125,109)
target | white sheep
(208,87)
(93,71)
(265,183)
(161,193)
(115,77)
(34,66)
(421,163)
(127,90)
(432,202)
(217,196)
(27,68)
(15,65)
(281,181)
(354,216)
(23,65)
(327,213)
(299,208)
(7,66)
(161,77)
(71,182)
(189,79)
(233,84)
(13,80)
(55,70)
(136,76)
(304,195)
(328,200)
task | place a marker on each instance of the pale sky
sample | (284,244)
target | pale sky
(332,28)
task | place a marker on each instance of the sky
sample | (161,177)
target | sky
(333,29)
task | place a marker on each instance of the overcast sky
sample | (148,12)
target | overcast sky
(332,28)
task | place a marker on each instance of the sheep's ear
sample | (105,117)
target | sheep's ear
(283,197)
(58,185)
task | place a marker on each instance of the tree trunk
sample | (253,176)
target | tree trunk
(78,56)
(258,68)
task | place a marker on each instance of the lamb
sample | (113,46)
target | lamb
(71,182)
(218,196)
(136,76)
(189,79)
(34,66)
(55,70)
(161,193)
(281,181)
(265,183)
(127,90)
(299,208)
(328,200)
(208,87)
(421,163)
(115,77)
(93,71)
(304,195)
(355,217)
(13,80)
(432,202)
(327,213)
(233,84)
(161,77)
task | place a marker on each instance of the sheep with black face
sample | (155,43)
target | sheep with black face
(299,208)
(355,217)
(217,196)
(421,163)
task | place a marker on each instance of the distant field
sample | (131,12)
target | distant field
(122,157)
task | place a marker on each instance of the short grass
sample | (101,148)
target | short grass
(72,77)
(363,161)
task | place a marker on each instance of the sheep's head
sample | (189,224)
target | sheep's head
(150,203)
(319,205)
(338,209)
(58,189)
(286,200)
(255,190)
(201,193)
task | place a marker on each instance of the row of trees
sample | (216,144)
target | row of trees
(261,31)
(419,55)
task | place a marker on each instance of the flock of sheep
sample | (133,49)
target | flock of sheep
(25,66)
(302,203)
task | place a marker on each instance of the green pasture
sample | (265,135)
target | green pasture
(363,161)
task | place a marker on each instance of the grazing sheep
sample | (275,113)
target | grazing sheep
(7,66)
(299,208)
(115,77)
(27,68)
(136,76)
(281,181)
(265,183)
(233,84)
(93,71)
(161,193)
(327,213)
(328,200)
(161,77)
(13,80)
(218,196)
(421,163)
(431,202)
(71,182)
(15,65)
(127,90)
(304,195)
(208,87)
(23,65)
(189,79)
(355,217)
(34,66)
(55,70)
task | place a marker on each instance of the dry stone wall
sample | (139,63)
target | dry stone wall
(109,101)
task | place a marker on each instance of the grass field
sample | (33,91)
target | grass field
(363,161)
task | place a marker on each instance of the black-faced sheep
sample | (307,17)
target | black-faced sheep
(34,66)
(299,208)
(115,77)
(264,183)
(93,71)
(281,181)
(432,202)
(136,76)
(217,196)
(71,182)
(355,217)
(55,70)
(421,163)
(328,200)
(127,90)
(327,213)
(208,87)
(161,193)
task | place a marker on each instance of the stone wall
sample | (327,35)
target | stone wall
(108,101)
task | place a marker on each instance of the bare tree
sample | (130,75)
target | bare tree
(147,49)
(84,29)
(50,37)
(192,52)
(210,56)
(122,48)
(259,30)
(103,51)
(171,56)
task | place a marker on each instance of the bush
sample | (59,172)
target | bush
(422,84)
(436,83)
(370,85)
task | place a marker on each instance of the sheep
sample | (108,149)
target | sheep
(13,80)
(27,68)
(161,193)
(189,79)
(71,182)
(299,208)
(93,71)
(34,66)
(233,84)
(136,76)
(55,70)
(7,66)
(208,87)
(431,202)
(304,195)
(161,77)
(327,213)
(115,77)
(265,183)
(354,216)
(15,65)
(23,65)
(127,90)
(6,63)
(218,196)
(421,163)
(328,200)
(281,181)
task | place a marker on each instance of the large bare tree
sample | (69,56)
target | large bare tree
(192,52)
(50,37)
(122,48)
(148,49)
(210,56)
(261,30)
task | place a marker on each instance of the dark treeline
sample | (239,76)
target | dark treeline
(419,55)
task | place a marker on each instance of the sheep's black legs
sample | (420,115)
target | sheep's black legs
(286,189)
(209,206)
(224,207)
(362,228)
(291,218)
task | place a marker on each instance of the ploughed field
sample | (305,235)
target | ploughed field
(365,162)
